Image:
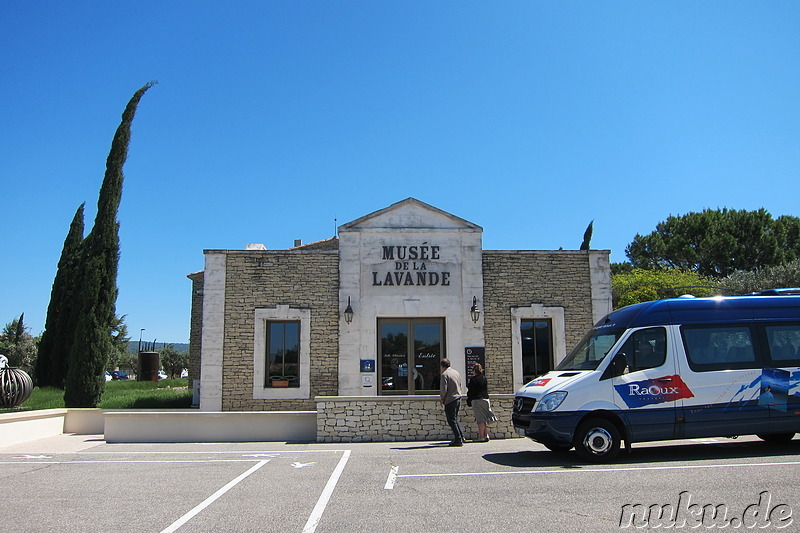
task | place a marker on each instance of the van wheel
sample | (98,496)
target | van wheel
(776,438)
(558,448)
(597,440)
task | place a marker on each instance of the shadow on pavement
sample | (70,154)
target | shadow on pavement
(427,446)
(653,454)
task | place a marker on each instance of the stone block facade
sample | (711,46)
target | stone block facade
(196,331)
(376,265)
(257,279)
(402,418)
(520,278)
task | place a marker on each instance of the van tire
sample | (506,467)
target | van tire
(776,438)
(597,440)
(558,448)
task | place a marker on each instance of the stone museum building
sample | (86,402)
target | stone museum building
(354,327)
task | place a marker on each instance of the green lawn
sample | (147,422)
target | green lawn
(166,394)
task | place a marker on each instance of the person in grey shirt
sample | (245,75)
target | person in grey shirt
(450,392)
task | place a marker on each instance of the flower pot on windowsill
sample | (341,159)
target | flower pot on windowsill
(280,382)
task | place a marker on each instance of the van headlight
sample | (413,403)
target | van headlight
(551,401)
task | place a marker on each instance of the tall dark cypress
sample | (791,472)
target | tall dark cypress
(98,286)
(587,236)
(56,341)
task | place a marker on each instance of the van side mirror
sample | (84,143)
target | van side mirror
(618,366)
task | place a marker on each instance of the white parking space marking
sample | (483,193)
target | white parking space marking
(393,476)
(319,508)
(243,453)
(259,457)
(125,461)
(251,457)
(211,499)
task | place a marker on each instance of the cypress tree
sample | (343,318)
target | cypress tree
(587,236)
(98,284)
(20,329)
(56,341)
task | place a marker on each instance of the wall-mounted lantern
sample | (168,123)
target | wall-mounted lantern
(348,312)
(474,312)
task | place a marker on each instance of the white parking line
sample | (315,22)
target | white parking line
(319,508)
(124,461)
(204,452)
(393,474)
(391,479)
(260,457)
(211,499)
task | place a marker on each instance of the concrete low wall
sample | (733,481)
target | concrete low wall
(402,418)
(210,426)
(85,421)
(16,428)
(120,425)
(337,419)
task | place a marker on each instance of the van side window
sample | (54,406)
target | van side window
(646,348)
(784,344)
(719,348)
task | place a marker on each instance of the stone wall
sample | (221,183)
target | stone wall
(402,418)
(196,328)
(519,279)
(308,279)
(265,279)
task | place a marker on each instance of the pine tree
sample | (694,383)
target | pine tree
(56,342)
(98,284)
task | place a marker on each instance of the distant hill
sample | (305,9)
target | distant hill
(133,346)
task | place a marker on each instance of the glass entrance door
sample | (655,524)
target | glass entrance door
(410,355)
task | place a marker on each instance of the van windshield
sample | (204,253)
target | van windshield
(592,349)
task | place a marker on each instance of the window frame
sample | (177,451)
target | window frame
(550,344)
(630,350)
(410,322)
(268,324)
(281,313)
(782,362)
(558,332)
(756,343)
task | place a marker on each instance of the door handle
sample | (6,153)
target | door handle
(664,380)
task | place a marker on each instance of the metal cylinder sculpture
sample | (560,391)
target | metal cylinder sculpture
(16,386)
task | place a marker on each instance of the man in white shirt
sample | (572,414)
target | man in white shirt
(450,392)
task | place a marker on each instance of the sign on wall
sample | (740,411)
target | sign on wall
(474,354)
(416,265)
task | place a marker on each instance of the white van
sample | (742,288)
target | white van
(672,369)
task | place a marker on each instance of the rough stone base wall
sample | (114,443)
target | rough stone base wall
(402,418)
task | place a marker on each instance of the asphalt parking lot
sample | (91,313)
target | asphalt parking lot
(81,483)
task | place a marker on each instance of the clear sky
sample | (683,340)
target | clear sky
(272,120)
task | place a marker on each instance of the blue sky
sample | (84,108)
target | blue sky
(272,120)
